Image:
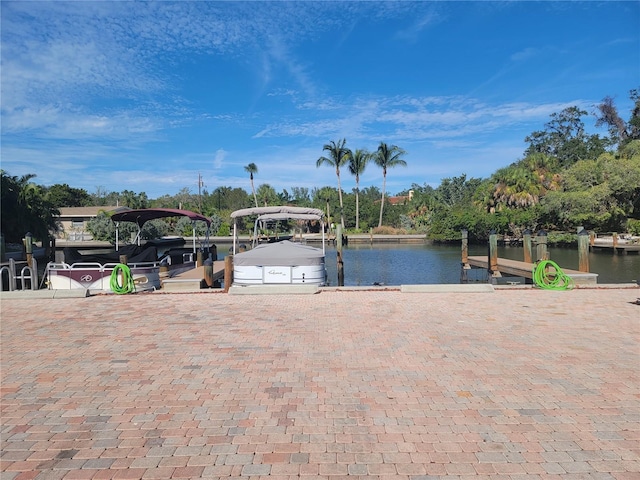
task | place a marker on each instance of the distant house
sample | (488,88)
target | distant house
(73,220)
(400,199)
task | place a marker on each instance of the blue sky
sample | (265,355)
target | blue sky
(147,96)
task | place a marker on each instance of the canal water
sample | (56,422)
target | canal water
(394,264)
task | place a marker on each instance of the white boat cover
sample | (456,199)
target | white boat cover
(284,253)
(287,211)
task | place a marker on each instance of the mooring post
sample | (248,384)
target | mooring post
(583,251)
(615,242)
(228,272)
(28,247)
(465,256)
(526,243)
(339,256)
(493,254)
(541,246)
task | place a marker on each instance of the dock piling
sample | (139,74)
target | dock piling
(541,246)
(583,251)
(526,243)
(465,257)
(493,254)
(228,272)
(340,266)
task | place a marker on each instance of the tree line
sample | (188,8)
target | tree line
(565,179)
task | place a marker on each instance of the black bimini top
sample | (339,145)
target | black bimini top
(141,216)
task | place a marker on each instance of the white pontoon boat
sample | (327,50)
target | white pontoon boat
(278,262)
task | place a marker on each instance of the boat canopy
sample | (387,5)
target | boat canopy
(275,213)
(143,215)
(280,213)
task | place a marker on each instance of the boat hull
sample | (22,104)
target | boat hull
(279,275)
(96,277)
(281,263)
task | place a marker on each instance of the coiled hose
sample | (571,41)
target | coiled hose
(128,285)
(549,276)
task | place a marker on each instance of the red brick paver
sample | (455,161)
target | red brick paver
(512,384)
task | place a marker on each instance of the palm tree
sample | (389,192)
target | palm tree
(357,163)
(251,169)
(338,157)
(387,157)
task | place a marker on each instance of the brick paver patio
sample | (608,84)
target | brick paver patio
(512,384)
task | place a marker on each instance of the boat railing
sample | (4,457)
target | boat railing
(19,279)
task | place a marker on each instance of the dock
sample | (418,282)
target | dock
(525,269)
(194,279)
(619,249)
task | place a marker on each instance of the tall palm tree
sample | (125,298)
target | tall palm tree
(338,157)
(251,169)
(357,162)
(387,157)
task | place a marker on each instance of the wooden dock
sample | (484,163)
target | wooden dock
(619,249)
(194,279)
(525,269)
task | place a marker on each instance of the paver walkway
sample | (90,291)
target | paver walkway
(507,385)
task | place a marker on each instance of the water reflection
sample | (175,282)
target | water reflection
(366,265)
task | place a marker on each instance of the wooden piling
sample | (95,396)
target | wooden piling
(615,242)
(465,247)
(583,251)
(340,266)
(493,254)
(526,243)
(541,246)
(28,247)
(228,272)
(465,257)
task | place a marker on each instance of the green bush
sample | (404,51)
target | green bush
(224,230)
(633,226)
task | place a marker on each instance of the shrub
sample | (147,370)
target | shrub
(633,226)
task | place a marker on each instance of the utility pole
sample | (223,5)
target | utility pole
(200,184)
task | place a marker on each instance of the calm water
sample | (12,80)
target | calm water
(430,264)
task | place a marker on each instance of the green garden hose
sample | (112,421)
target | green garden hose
(548,275)
(128,285)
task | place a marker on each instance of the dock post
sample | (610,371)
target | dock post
(592,239)
(339,256)
(493,254)
(615,243)
(465,257)
(28,247)
(541,246)
(228,272)
(526,243)
(583,251)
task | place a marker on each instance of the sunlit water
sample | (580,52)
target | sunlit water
(393,264)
